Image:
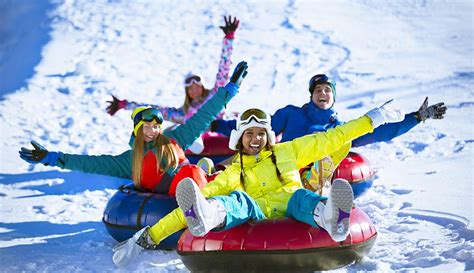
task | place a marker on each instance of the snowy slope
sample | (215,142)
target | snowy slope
(61,60)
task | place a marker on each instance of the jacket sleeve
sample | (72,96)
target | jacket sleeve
(279,120)
(388,131)
(187,133)
(117,166)
(310,148)
(224,127)
(224,183)
(172,114)
(222,77)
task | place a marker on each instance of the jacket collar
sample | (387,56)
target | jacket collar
(318,115)
(250,160)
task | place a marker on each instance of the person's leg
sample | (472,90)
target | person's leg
(332,215)
(191,171)
(240,208)
(221,212)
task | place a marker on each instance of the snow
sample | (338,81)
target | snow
(61,60)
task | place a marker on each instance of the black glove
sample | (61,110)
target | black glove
(230,27)
(40,155)
(115,105)
(435,111)
(239,74)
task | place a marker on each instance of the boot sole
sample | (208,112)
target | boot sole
(186,197)
(342,199)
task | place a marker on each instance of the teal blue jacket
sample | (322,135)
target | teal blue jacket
(121,165)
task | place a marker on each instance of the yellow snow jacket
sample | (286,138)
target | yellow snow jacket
(261,180)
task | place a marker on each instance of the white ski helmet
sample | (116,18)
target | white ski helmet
(251,118)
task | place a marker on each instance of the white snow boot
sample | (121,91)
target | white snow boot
(334,215)
(126,251)
(201,215)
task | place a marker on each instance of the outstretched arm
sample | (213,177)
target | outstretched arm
(389,131)
(117,166)
(172,114)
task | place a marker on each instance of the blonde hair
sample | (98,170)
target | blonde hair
(188,100)
(166,158)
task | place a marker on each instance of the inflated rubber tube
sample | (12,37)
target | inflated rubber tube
(276,245)
(357,170)
(130,210)
(216,147)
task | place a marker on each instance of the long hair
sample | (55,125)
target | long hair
(166,158)
(269,146)
(188,100)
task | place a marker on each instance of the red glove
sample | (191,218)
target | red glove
(116,105)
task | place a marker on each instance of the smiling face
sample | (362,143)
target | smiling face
(254,139)
(151,130)
(194,91)
(323,96)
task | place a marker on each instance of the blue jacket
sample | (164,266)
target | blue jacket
(121,165)
(292,122)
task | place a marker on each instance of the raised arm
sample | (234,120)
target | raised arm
(187,133)
(222,76)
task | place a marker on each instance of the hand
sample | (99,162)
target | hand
(387,113)
(435,111)
(115,105)
(230,27)
(39,155)
(240,72)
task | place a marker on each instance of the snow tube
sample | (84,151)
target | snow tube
(129,210)
(357,170)
(216,147)
(274,245)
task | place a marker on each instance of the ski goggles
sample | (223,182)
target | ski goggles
(318,79)
(253,114)
(148,115)
(192,80)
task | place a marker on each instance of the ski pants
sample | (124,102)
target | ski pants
(240,207)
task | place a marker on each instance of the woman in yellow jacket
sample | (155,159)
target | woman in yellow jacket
(262,182)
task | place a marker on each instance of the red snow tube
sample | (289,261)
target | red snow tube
(276,245)
(357,170)
(216,147)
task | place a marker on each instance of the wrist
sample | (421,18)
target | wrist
(230,35)
(122,104)
(232,88)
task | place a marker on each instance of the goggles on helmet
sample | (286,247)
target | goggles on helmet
(253,114)
(192,80)
(148,115)
(318,79)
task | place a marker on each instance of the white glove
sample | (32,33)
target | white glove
(128,250)
(387,113)
(198,146)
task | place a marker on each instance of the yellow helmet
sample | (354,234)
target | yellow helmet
(145,114)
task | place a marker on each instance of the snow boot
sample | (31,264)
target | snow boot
(201,215)
(126,251)
(334,215)
(206,165)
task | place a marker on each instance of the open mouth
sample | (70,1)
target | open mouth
(255,147)
(323,100)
